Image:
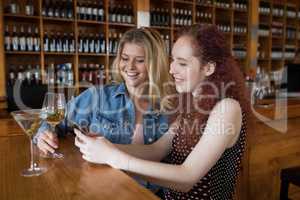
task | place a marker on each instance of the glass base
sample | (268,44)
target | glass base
(56,155)
(33,172)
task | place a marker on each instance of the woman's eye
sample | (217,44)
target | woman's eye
(183,64)
(124,59)
(140,61)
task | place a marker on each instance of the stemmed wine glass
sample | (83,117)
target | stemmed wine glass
(53,112)
(30,121)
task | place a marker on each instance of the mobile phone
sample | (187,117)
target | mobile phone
(78,127)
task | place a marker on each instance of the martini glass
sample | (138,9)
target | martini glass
(30,121)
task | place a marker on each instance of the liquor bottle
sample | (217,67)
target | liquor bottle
(29,8)
(57,9)
(71,43)
(29,39)
(20,74)
(152,17)
(130,15)
(97,43)
(36,40)
(83,11)
(167,42)
(89,10)
(15,39)
(59,44)
(46,42)
(157,17)
(7,39)
(37,75)
(69,9)
(59,74)
(70,75)
(50,9)
(96,72)
(189,18)
(101,11)
(62,9)
(14,7)
(86,44)
(110,45)
(80,39)
(65,43)
(11,76)
(112,13)
(52,42)
(91,43)
(116,39)
(83,72)
(102,43)
(51,74)
(45,8)
(90,73)
(95,11)
(28,75)
(118,12)
(22,39)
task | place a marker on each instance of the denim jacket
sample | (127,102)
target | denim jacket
(108,110)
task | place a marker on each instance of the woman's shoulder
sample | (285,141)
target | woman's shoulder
(227,104)
(107,90)
(226,110)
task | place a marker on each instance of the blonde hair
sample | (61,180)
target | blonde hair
(156,59)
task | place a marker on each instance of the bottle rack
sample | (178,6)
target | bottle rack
(93,23)
(278,33)
(231,16)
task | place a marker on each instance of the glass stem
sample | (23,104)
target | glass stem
(32,159)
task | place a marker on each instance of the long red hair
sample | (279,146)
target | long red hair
(210,46)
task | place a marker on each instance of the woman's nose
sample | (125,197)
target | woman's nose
(131,65)
(172,69)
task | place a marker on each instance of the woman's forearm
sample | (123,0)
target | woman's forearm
(154,152)
(146,152)
(167,175)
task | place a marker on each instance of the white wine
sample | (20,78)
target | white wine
(28,120)
(55,118)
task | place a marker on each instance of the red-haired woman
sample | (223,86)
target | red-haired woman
(205,143)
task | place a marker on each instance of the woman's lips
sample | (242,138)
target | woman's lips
(132,75)
(177,79)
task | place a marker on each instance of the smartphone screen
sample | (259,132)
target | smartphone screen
(78,127)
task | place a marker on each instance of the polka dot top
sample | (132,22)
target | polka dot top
(220,181)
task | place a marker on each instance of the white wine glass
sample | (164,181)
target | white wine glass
(53,112)
(30,121)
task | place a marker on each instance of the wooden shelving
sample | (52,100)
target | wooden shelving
(204,12)
(6,15)
(22,53)
(72,25)
(281,21)
(238,19)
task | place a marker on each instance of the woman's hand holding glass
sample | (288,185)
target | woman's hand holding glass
(53,112)
(48,142)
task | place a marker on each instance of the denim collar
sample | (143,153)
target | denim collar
(121,90)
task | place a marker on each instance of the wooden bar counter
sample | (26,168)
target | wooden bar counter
(68,178)
(270,150)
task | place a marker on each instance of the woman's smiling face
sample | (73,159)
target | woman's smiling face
(133,66)
(185,67)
